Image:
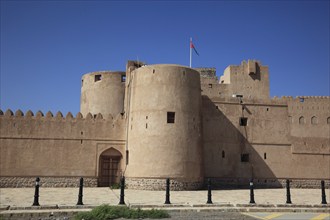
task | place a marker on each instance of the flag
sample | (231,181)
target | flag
(193,47)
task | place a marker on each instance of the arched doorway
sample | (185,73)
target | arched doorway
(109,167)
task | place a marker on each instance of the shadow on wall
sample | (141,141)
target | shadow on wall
(230,161)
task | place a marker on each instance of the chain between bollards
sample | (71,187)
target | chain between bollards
(288,194)
(167,199)
(251,192)
(324,201)
(209,193)
(36,193)
(80,195)
(122,191)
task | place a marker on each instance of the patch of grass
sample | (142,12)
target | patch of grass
(106,212)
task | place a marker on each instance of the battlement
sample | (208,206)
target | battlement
(50,126)
(59,116)
(302,98)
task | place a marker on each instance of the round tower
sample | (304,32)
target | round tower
(102,92)
(164,128)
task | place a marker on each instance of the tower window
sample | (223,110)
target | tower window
(243,121)
(97,78)
(210,85)
(244,157)
(223,154)
(123,78)
(170,117)
(265,156)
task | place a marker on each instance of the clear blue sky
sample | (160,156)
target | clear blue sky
(46,46)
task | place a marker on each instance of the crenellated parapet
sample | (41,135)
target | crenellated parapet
(59,115)
(49,125)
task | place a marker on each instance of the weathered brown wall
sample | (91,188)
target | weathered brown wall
(56,146)
(278,146)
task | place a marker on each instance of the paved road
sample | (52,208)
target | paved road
(23,197)
(227,203)
(289,216)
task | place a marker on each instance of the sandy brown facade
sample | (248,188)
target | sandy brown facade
(168,121)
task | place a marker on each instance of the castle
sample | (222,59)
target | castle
(154,122)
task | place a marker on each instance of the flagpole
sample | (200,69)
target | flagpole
(190,51)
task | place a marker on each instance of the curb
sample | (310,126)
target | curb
(67,212)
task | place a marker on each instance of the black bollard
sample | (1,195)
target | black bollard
(251,192)
(122,191)
(36,193)
(167,200)
(288,194)
(80,196)
(209,193)
(324,201)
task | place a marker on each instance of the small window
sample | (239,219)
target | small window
(210,85)
(301,99)
(216,107)
(146,125)
(147,117)
(301,120)
(222,81)
(244,157)
(97,78)
(223,154)
(82,82)
(170,117)
(314,120)
(153,71)
(123,78)
(243,121)
(328,121)
(265,156)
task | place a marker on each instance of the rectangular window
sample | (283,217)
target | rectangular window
(210,85)
(123,78)
(244,157)
(97,78)
(243,121)
(170,117)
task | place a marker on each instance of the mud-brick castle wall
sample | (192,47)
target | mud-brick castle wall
(55,147)
(309,120)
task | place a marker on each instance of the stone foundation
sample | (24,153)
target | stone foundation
(240,183)
(160,184)
(17,182)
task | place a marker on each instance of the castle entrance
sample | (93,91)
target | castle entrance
(109,167)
